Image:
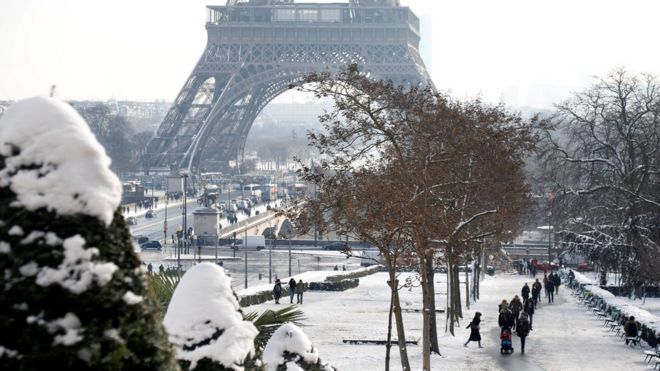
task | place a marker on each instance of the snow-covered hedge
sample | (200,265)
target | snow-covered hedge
(316,281)
(206,324)
(342,285)
(74,294)
(290,349)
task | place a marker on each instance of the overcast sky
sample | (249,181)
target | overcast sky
(527,52)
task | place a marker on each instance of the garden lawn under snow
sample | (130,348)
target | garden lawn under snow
(565,335)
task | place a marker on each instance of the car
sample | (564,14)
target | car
(336,246)
(151,245)
(584,267)
(150,214)
(141,239)
(131,220)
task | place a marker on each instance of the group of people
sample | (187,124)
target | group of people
(518,315)
(295,288)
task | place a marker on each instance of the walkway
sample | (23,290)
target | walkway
(565,336)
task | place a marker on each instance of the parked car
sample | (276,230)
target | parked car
(336,246)
(141,239)
(151,245)
(150,214)
(584,267)
(131,220)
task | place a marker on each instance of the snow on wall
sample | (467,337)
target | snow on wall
(203,318)
(288,338)
(69,171)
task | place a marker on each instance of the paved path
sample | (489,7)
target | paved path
(565,335)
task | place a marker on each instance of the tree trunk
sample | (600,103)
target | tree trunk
(467,287)
(457,293)
(398,320)
(388,344)
(430,278)
(426,318)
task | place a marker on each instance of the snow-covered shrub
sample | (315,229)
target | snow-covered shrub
(206,325)
(289,349)
(73,292)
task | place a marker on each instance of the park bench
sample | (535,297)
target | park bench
(376,342)
(652,354)
(634,340)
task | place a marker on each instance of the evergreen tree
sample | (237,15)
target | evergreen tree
(74,293)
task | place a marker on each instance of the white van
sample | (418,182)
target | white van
(253,242)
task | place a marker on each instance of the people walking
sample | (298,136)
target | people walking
(522,329)
(550,291)
(506,320)
(474,330)
(525,292)
(516,306)
(503,304)
(536,292)
(545,284)
(556,281)
(292,289)
(528,307)
(300,289)
(277,291)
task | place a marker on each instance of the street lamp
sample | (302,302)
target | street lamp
(246,256)
(185,208)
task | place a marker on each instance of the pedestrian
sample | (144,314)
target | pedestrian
(150,268)
(550,291)
(536,292)
(631,328)
(528,307)
(545,284)
(161,269)
(292,289)
(300,289)
(474,330)
(503,304)
(277,291)
(556,281)
(172,238)
(515,306)
(525,292)
(522,329)
(506,319)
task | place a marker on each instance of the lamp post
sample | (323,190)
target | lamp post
(185,208)
(246,256)
(289,235)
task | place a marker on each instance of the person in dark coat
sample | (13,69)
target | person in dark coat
(474,330)
(292,289)
(528,308)
(277,291)
(536,292)
(506,319)
(522,329)
(525,292)
(300,289)
(516,306)
(550,291)
(631,327)
(557,281)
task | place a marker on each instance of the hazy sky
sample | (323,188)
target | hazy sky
(527,52)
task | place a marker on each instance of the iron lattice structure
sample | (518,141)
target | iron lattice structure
(257,49)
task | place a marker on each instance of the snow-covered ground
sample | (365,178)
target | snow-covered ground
(565,335)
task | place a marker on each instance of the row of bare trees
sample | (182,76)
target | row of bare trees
(602,159)
(424,178)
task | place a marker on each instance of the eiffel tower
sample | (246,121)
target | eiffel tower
(258,49)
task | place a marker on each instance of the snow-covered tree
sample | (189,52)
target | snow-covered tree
(289,349)
(604,159)
(206,325)
(74,294)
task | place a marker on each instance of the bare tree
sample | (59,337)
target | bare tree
(604,158)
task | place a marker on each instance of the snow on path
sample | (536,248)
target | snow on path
(565,335)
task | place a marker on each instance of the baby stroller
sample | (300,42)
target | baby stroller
(507,345)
